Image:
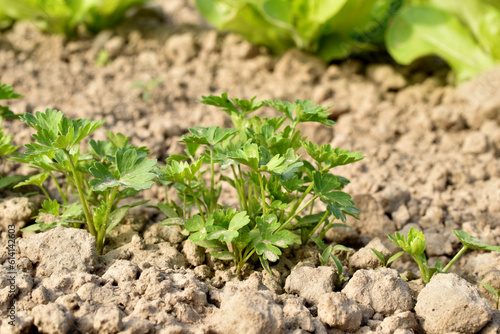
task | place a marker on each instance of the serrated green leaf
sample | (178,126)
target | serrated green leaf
(102,148)
(268,251)
(182,172)
(267,224)
(104,179)
(208,136)
(331,157)
(474,243)
(278,205)
(283,239)
(117,139)
(134,172)
(194,223)
(51,207)
(239,220)
(7,92)
(327,185)
(36,180)
(248,155)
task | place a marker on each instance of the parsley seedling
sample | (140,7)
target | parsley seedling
(107,173)
(414,244)
(274,184)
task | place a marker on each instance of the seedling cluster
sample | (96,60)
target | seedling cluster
(278,190)
(275,185)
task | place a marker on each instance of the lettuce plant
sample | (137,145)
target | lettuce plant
(63,17)
(331,29)
(107,173)
(414,244)
(464,33)
(273,184)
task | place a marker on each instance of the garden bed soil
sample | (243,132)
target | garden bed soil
(432,162)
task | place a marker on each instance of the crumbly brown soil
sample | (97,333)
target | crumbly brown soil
(432,161)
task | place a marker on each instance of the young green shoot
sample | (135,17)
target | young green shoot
(414,244)
(494,292)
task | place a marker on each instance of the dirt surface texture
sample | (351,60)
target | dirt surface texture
(432,162)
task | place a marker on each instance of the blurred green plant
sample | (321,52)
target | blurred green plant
(63,17)
(332,29)
(102,58)
(147,87)
(466,34)
(5,20)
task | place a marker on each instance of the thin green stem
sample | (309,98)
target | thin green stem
(212,181)
(196,201)
(263,195)
(184,206)
(63,196)
(317,225)
(101,234)
(45,192)
(81,194)
(238,188)
(325,229)
(300,200)
(423,269)
(282,227)
(248,256)
(455,258)
(243,191)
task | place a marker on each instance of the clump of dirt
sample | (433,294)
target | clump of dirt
(431,162)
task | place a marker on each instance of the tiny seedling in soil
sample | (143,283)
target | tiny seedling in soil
(491,289)
(107,173)
(147,87)
(414,244)
(324,257)
(273,183)
(102,58)
(386,262)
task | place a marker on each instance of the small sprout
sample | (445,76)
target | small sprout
(103,58)
(327,254)
(381,257)
(146,88)
(414,244)
(491,289)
